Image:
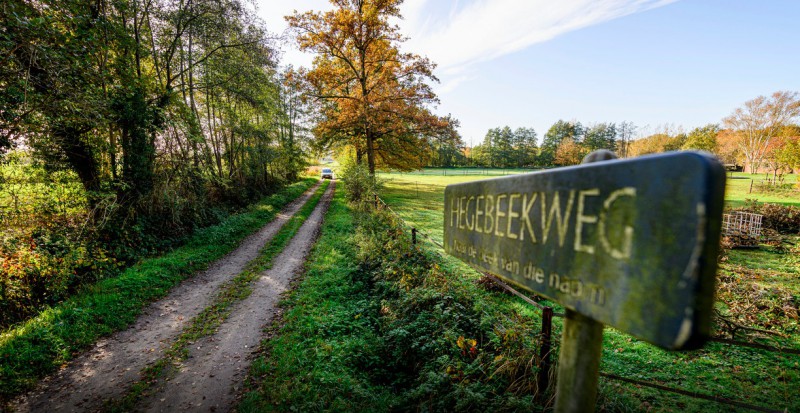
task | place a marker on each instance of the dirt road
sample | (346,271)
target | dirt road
(210,377)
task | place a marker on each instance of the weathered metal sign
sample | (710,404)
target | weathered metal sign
(630,243)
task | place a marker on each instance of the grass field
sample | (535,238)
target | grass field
(487,172)
(758,377)
(739,189)
(739,186)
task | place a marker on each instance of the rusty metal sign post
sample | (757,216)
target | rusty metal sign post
(628,243)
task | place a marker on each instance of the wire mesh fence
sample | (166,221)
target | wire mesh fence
(742,229)
(739,223)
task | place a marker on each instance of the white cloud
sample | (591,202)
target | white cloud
(486,29)
(451,83)
(458,34)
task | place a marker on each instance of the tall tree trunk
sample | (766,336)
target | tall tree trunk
(371,152)
(138,149)
(79,155)
(112,152)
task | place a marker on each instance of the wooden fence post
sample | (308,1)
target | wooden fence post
(578,363)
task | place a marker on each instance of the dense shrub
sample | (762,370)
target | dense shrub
(782,218)
(359,185)
(33,277)
(441,349)
(55,237)
(48,244)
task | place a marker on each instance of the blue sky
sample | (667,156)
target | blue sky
(652,62)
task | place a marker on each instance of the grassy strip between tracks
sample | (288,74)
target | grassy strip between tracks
(37,347)
(208,321)
(287,373)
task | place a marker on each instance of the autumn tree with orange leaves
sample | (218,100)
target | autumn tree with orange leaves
(569,152)
(759,121)
(370,95)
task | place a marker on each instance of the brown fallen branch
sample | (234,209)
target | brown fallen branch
(733,327)
(712,398)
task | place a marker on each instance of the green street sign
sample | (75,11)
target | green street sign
(630,243)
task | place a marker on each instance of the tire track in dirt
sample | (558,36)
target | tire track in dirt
(211,377)
(114,363)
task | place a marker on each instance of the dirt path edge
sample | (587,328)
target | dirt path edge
(114,363)
(212,376)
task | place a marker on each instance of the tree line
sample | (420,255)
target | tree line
(153,103)
(139,97)
(141,120)
(124,126)
(759,136)
(565,143)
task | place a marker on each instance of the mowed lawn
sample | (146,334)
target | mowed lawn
(420,196)
(759,377)
(742,186)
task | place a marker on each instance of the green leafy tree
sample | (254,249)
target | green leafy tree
(447,147)
(789,153)
(703,138)
(600,136)
(487,153)
(525,147)
(51,86)
(675,143)
(557,133)
(504,147)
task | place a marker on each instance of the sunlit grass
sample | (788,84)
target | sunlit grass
(208,321)
(306,366)
(743,186)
